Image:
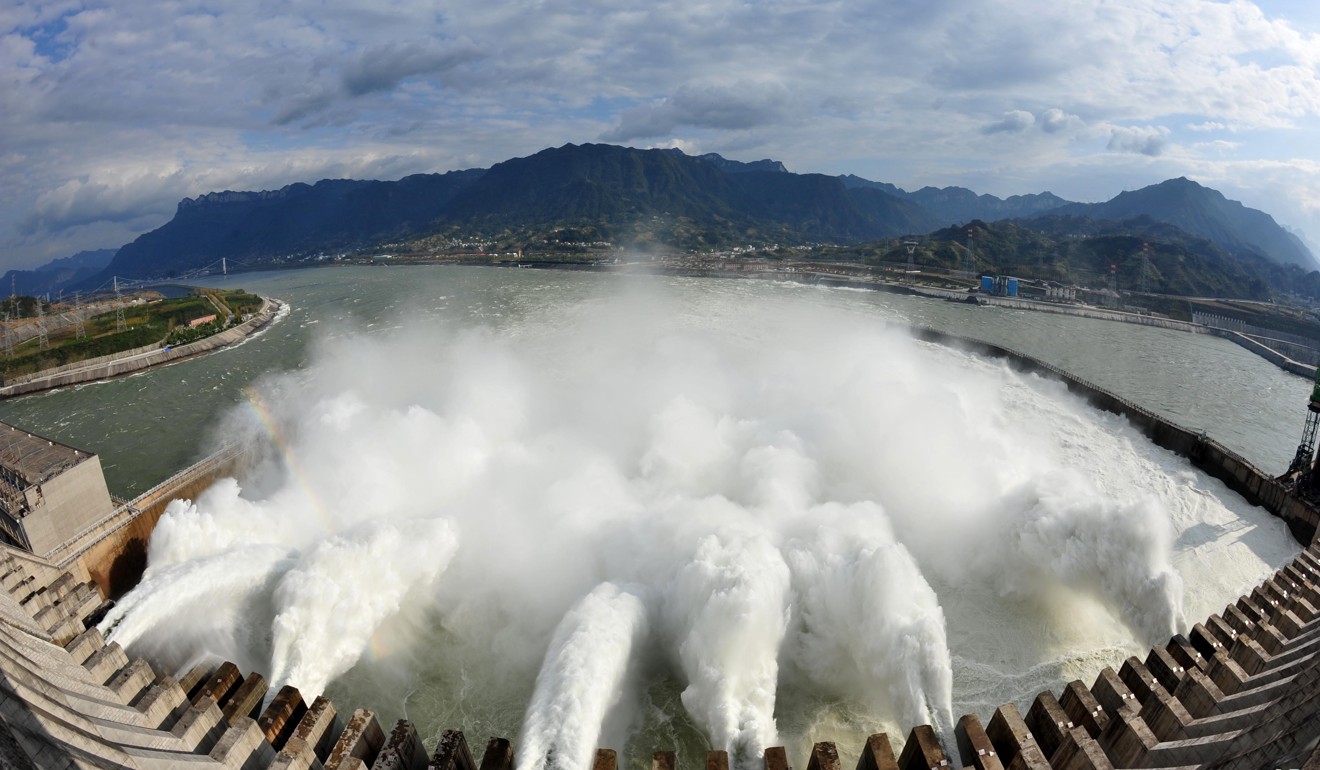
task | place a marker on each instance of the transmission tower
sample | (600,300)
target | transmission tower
(79,328)
(971,250)
(1145,268)
(12,312)
(42,339)
(120,323)
(911,249)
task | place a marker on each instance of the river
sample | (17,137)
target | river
(682,510)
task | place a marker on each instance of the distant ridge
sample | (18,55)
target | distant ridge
(643,198)
(57,275)
(1205,212)
(602,191)
(619,191)
(956,205)
(296,219)
(738,166)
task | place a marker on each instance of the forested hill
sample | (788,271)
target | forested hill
(630,198)
(1205,212)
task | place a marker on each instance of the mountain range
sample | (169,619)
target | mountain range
(60,274)
(643,199)
(955,205)
(1205,212)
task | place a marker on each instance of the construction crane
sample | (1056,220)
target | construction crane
(1300,472)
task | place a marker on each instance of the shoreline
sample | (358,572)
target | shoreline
(142,359)
(834,280)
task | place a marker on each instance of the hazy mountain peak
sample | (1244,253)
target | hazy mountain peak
(738,166)
(1206,212)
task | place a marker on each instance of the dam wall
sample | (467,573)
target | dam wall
(1239,690)
(132,361)
(112,552)
(1208,455)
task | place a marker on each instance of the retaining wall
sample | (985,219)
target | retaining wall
(131,361)
(1256,486)
(85,363)
(1267,353)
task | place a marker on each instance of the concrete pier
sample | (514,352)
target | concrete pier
(1244,696)
(498,756)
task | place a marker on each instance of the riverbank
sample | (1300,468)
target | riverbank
(140,359)
(1238,474)
(805,274)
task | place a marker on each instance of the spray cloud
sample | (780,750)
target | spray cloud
(741,500)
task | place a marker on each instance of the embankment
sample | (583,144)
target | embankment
(806,275)
(1267,353)
(1253,484)
(131,361)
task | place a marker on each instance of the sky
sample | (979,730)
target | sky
(110,113)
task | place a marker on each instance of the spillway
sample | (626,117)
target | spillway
(625,525)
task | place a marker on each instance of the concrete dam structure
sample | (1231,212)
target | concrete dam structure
(1242,690)
(1239,690)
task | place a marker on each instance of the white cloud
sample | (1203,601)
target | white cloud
(195,95)
(1055,120)
(705,105)
(1013,122)
(1147,140)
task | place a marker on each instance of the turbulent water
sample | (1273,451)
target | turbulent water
(643,521)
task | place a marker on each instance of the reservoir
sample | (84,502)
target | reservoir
(643,512)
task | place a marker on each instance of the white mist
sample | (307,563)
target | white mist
(811,524)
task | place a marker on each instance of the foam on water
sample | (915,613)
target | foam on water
(771,523)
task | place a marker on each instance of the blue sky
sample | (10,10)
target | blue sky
(112,112)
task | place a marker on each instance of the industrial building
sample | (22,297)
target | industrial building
(49,492)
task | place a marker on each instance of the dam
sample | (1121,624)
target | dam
(1238,691)
(318,496)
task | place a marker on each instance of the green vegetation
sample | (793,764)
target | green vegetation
(19,307)
(147,321)
(1140,256)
